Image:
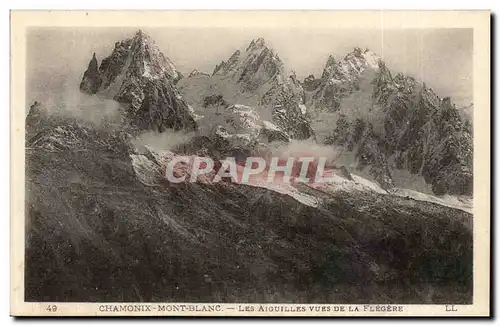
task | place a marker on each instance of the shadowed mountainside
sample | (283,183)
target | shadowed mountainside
(94,232)
(391,123)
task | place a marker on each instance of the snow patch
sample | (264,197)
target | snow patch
(147,71)
(287,189)
(270,125)
(462,203)
(371,59)
(338,183)
(146,170)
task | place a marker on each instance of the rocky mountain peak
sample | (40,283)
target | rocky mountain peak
(330,63)
(257,44)
(383,83)
(351,66)
(140,34)
(155,64)
(419,131)
(362,59)
(91,78)
(229,66)
(93,65)
(256,76)
(341,78)
(137,74)
(253,67)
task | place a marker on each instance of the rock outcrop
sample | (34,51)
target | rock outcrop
(339,79)
(256,66)
(259,70)
(138,75)
(91,78)
(240,126)
(401,124)
(196,72)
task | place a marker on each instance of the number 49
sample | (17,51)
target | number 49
(51,308)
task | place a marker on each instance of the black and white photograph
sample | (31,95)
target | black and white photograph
(251,169)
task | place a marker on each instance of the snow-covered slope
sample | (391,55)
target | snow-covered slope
(242,127)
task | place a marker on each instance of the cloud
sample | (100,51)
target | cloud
(167,140)
(80,106)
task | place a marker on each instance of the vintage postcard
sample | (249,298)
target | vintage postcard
(250,163)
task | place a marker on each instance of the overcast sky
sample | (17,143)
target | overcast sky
(442,58)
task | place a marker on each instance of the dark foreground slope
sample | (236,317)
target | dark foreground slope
(95,233)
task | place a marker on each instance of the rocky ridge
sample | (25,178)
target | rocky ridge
(139,75)
(399,124)
(120,232)
(258,70)
(339,79)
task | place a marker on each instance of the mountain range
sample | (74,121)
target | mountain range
(103,223)
(383,124)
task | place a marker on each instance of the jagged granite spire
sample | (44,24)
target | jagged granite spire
(330,63)
(91,78)
(257,69)
(340,78)
(137,74)
(402,125)
(253,67)
(256,44)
